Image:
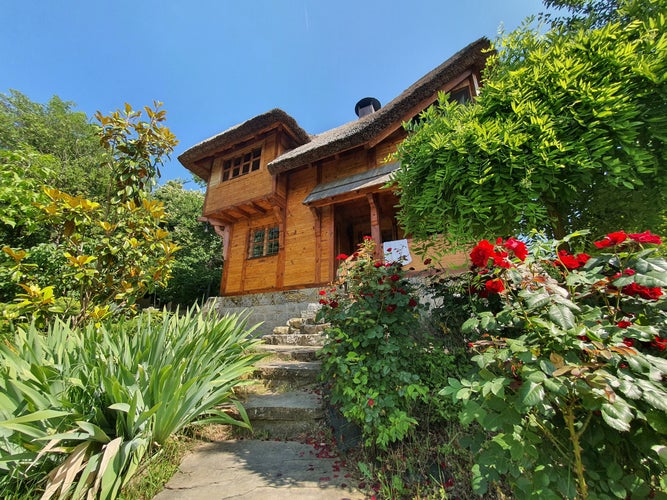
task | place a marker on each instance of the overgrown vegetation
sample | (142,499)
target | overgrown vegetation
(567,133)
(81,407)
(570,351)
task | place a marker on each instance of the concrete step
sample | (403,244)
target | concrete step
(289,353)
(285,415)
(294,339)
(287,375)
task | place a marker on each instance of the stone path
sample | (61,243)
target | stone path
(252,469)
(283,404)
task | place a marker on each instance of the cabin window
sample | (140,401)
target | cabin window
(461,95)
(264,242)
(241,165)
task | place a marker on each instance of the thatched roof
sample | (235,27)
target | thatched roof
(365,129)
(348,136)
(237,133)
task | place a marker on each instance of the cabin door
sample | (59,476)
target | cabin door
(352,223)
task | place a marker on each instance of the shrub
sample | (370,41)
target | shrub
(85,405)
(378,358)
(570,382)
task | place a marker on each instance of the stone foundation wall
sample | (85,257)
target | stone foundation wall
(271,309)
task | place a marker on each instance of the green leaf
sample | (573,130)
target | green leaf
(531,393)
(562,316)
(617,415)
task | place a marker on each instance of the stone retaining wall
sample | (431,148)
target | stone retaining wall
(271,309)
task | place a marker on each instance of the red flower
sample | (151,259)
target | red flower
(659,343)
(323,292)
(646,237)
(500,259)
(566,260)
(611,239)
(481,254)
(427,262)
(494,286)
(391,308)
(394,277)
(629,272)
(645,292)
(341,256)
(371,402)
(412,303)
(333,304)
(623,324)
(517,247)
(377,264)
(583,258)
(368,238)
(629,342)
(324,301)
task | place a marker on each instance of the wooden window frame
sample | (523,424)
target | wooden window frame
(241,164)
(264,242)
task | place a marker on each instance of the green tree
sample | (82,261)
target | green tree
(568,132)
(57,130)
(197,266)
(99,257)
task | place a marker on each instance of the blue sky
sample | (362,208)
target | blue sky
(215,64)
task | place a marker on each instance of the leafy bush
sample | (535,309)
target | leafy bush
(378,358)
(570,382)
(85,405)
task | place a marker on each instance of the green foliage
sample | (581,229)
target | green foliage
(567,132)
(373,344)
(54,129)
(197,266)
(136,148)
(87,404)
(107,255)
(569,389)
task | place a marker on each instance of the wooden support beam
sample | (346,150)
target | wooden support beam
(317,226)
(280,213)
(226,242)
(376,234)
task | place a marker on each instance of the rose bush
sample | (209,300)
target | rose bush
(569,388)
(378,363)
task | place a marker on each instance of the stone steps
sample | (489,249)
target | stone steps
(283,400)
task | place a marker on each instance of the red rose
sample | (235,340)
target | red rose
(324,301)
(394,277)
(412,303)
(629,342)
(368,238)
(568,261)
(391,308)
(623,324)
(500,259)
(377,264)
(629,272)
(646,237)
(645,292)
(333,304)
(659,343)
(517,247)
(323,292)
(494,286)
(481,254)
(611,239)
(371,402)
(582,258)
(341,256)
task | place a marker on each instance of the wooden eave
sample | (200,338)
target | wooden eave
(247,210)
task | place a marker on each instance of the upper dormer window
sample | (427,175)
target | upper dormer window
(241,165)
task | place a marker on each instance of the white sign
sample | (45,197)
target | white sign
(397,251)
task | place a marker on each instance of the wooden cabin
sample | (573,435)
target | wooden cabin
(286,203)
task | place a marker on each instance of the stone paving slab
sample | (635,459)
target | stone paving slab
(252,469)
